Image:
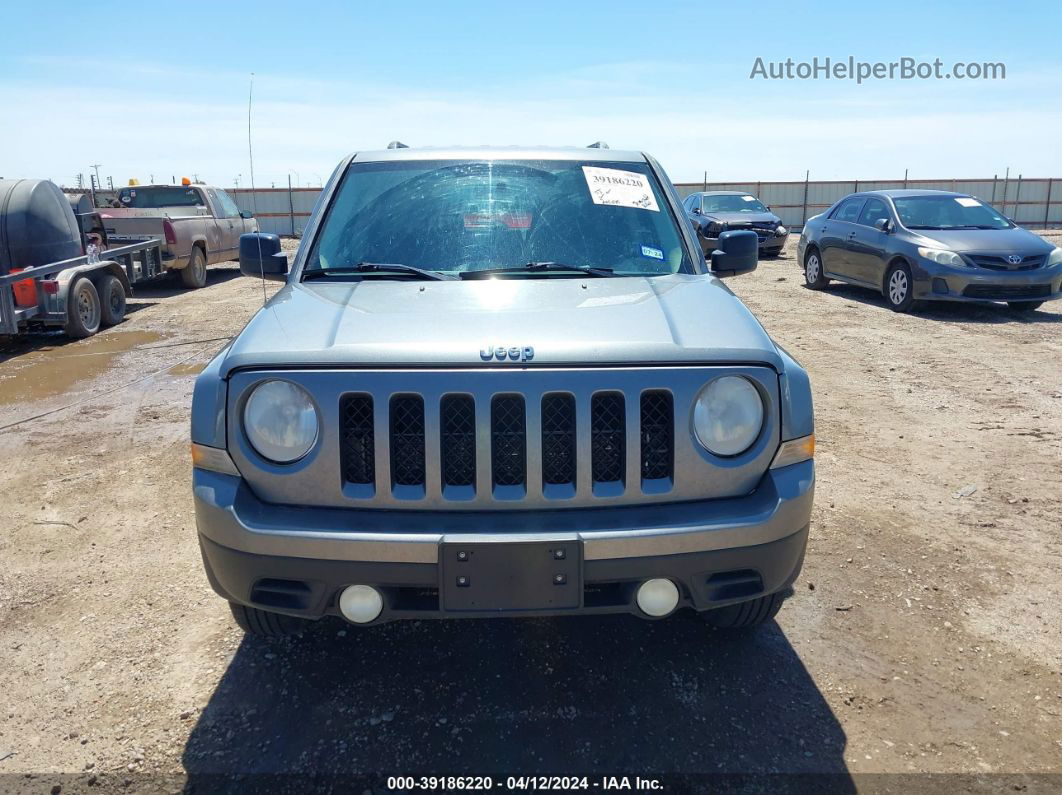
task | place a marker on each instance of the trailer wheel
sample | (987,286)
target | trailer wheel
(83,309)
(193,275)
(112,297)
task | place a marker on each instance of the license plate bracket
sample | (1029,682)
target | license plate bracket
(510,575)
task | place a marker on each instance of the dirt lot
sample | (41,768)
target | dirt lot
(924,635)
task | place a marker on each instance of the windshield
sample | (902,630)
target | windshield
(948,212)
(729,203)
(457,217)
(153,198)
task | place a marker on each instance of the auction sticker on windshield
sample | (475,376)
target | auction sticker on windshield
(617,188)
(967,202)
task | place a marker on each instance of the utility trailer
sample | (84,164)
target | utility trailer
(52,271)
(74,294)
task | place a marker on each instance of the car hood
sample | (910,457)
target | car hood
(671,319)
(737,218)
(1016,240)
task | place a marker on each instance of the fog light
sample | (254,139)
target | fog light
(360,603)
(657,597)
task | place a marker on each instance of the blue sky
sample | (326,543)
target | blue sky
(161,89)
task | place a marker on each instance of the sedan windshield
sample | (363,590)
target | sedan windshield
(729,203)
(948,212)
(456,217)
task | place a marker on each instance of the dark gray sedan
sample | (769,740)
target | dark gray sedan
(915,245)
(718,211)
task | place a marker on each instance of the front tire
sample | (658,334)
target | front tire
(112,300)
(264,624)
(1024,307)
(746,614)
(83,310)
(813,277)
(194,274)
(898,288)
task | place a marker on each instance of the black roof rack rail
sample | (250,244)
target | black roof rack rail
(397,145)
(598,145)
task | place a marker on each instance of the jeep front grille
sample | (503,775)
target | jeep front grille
(557,446)
(509,438)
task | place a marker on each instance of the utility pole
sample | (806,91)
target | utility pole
(110,183)
(96,167)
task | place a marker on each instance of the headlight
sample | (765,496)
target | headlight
(728,416)
(781,230)
(941,257)
(280,421)
(1055,257)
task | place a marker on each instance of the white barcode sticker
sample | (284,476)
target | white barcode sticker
(966,201)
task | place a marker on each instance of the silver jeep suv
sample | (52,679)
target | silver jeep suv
(501,382)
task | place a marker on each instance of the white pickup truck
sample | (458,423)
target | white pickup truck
(197,225)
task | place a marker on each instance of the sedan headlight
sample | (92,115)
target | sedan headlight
(728,415)
(942,257)
(781,230)
(280,421)
(1055,257)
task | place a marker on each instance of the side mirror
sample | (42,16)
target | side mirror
(246,214)
(696,210)
(736,253)
(261,256)
(882,225)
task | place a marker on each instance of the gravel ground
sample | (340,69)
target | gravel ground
(924,636)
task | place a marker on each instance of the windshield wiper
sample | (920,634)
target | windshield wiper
(363,268)
(540,267)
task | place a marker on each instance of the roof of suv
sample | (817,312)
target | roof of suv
(501,153)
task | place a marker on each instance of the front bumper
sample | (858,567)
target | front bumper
(944,283)
(297,560)
(772,244)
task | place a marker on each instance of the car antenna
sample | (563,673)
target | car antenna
(254,197)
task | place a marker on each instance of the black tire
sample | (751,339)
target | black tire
(1023,307)
(83,310)
(746,614)
(112,300)
(813,277)
(264,624)
(194,274)
(898,287)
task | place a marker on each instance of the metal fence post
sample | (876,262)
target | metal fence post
(804,212)
(291,207)
(1047,201)
(1017,197)
(994,178)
